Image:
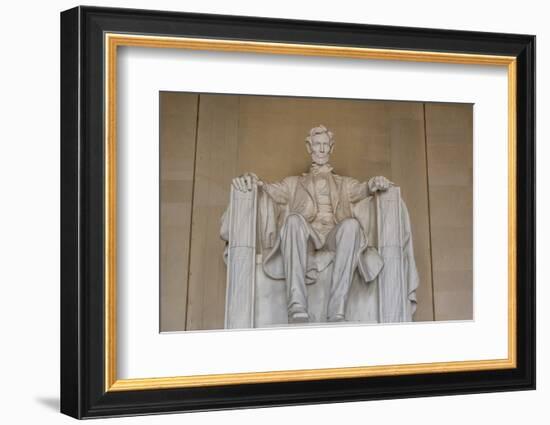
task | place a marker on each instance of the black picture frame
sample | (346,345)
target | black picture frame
(83,392)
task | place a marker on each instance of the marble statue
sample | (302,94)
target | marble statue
(319,221)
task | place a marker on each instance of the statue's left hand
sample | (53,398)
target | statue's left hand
(379,183)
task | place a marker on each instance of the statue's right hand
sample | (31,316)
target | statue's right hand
(246,182)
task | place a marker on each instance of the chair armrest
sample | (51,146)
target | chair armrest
(241,258)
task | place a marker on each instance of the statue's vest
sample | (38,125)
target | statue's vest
(303,200)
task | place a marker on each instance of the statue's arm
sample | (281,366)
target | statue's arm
(357,191)
(278,191)
(361,190)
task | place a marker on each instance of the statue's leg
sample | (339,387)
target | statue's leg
(345,240)
(294,240)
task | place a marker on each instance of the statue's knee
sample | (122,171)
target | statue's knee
(293,219)
(293,223)
(350,225)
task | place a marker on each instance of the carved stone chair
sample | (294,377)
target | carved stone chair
(254,300)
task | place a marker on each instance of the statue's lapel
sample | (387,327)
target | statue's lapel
(307,183)
(335,184)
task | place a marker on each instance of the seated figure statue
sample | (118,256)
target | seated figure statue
(316,212)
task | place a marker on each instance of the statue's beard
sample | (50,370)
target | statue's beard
(320,159)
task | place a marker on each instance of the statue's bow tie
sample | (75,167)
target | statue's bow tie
(319,169)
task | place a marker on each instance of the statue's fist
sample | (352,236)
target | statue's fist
(379,183)
(246,182)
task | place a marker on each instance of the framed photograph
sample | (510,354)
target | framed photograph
(260,212)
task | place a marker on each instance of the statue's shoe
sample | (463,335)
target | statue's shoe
(337,318)
(299,317)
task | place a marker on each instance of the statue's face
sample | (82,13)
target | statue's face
(320,148)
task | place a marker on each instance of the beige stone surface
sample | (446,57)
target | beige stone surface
(178,118)
(449,148)
(216,159)
(415,145)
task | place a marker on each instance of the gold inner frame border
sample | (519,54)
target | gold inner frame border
(111,43)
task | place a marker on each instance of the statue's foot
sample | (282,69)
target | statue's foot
(299,317)
(337,318)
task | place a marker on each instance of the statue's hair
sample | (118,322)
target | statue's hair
(321,129)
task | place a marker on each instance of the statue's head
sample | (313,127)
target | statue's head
(319,144)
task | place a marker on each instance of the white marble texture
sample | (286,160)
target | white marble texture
(332,249)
